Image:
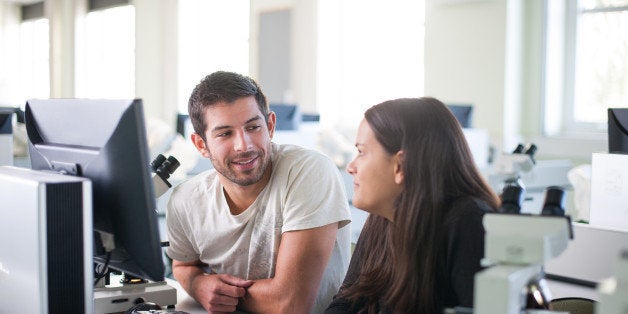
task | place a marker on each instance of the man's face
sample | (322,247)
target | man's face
(237,140)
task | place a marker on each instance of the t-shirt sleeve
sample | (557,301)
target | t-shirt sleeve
(180,248)
(315,195)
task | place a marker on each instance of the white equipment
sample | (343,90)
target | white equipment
(118,297)
(46,240)
(517,246)
(614,291)
(6,138)
(162,169)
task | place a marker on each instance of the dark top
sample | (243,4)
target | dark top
(463,248)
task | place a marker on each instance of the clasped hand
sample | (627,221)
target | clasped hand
(219,293)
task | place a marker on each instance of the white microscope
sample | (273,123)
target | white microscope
(614,291)
(508,168)
(516,247)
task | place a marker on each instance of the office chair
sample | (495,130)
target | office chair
(573,305)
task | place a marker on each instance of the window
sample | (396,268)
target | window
(361,62)
(213,35)
(586,64)
(106,66)
(34,66)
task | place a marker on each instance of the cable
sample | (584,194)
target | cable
(101,270)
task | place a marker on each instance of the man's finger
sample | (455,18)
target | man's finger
(236,281)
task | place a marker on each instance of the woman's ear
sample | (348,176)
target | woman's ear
(399,177)
(200,145)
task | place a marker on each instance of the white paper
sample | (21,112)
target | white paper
(609,191)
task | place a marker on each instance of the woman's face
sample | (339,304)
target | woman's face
(377,175)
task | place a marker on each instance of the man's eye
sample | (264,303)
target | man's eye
(254,127)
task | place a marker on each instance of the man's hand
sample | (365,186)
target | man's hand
(215,292)
(219,293)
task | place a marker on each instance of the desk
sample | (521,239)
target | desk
(185,302)
(558,289)
(561,289)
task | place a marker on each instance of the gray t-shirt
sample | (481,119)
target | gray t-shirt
(305,191)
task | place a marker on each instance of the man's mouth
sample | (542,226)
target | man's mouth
(244,162)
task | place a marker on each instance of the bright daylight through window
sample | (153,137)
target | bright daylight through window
(213,35)
(33,71)
(595,60)
(107,66)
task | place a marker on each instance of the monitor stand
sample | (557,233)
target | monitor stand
(118,297)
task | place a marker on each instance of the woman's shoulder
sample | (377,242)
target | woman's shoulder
(466,208)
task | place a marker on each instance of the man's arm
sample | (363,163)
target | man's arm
(216,293)
(301,261)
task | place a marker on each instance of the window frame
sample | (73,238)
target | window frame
(559,109)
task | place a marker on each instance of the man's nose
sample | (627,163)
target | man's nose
(242,141)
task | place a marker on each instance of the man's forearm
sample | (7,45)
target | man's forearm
(185,275)
(266,296)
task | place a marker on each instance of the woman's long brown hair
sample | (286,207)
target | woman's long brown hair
(399,264)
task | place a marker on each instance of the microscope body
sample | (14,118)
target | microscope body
(517,246)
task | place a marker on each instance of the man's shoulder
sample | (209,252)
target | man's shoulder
(198,184)
(293,154)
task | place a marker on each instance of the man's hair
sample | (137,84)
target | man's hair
(226,87)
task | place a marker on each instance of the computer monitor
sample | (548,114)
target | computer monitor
(288,116)
(105,141)
(618,130)
(463,113)
(6,125)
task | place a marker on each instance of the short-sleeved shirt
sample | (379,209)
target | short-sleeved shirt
(305,191)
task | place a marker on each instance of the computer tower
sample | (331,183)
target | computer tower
(6,138)
(46,240)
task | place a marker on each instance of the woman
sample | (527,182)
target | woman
(421,246)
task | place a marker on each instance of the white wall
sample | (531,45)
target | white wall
(9,32)
(304,21)
(156,58)
(465,58)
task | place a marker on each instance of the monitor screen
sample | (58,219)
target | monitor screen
(6,120)
(105,141)
(618,130)
(288,116)
(463,114)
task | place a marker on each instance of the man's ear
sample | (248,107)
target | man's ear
(272,120)
(398,167)
(200,145)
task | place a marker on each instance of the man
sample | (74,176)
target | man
(264,231)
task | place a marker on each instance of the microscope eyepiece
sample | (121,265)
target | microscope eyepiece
(554,202)
(169,166)
(164,167)
(157,162)
(531,150)
(512,198)
(518,149)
